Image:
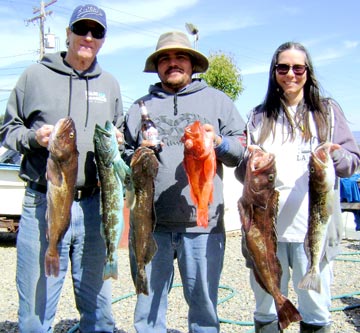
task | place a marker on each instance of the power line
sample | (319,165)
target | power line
(42,18)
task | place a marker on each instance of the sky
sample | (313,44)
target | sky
(247,31)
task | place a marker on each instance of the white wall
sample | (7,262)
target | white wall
(232,193)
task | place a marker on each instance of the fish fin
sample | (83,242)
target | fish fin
(192,193)
(110,270)
(53,172)
(306,246)
(202,217)
(121,169)
(311,281)
(151,250)
(52,262)
(245,215)
(330,202)
(287,313)
(259,281)
(102,227)
(141,283)
(130,198)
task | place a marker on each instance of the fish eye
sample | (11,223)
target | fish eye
(311,169)
(271,177)
(71,135)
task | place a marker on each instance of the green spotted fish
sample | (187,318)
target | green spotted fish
(321,198)
(114,175)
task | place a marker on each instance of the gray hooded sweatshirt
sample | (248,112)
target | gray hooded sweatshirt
(51,90)
(171,113)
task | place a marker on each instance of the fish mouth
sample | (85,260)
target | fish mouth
(261,161)
(105,142)
(101,130)
(321,155)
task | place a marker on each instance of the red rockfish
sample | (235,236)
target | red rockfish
(200,166)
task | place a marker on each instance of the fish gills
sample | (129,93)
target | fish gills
(113,172)
(258,208)
(61,175)
(200,166)
(321,197)
(144,165)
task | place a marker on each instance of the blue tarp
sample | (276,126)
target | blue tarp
(8,166)
(349,189)
(350,192)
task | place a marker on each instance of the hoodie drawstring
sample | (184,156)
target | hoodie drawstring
(87,101)
(70,94)
(87,98)
(175,105)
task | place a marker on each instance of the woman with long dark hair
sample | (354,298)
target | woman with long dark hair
(290,123)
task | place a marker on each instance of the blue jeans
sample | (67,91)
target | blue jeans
(83,245)
(313,307)
(200,260)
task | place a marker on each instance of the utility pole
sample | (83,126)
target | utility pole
(42,18)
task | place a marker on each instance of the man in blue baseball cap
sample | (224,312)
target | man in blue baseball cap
(88,12)
(67,83)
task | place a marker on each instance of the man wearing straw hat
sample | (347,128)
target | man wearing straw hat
(174,103)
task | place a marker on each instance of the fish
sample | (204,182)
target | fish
(61,175)
(200,166)
(114,175)
(321,198)
(144,165)
(258,208)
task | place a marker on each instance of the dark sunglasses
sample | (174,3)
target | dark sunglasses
(283,69)
(82,29)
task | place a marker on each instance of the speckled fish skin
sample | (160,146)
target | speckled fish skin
(113,172)
(258,208)
(61,174)
(144,165)
(200,166)
(321,196)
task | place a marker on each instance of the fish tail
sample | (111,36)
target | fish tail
(110,270)
(311,281)
(130,198)
(141,282)
(52,263)
(202,217)
(287,313)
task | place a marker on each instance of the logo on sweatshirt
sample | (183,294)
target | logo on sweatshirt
(97,97)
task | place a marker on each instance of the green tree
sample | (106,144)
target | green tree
(224,75)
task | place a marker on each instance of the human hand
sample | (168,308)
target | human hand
(42,135)
(332,146)
(119,137)
(251,148)
(210,132)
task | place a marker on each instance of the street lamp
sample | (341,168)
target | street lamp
(192,30)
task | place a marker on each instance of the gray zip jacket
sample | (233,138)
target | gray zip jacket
(171,113)
(51,90)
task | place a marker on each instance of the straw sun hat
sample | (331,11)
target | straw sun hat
(176,41)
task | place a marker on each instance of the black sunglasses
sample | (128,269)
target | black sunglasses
(283,69)
(82,29)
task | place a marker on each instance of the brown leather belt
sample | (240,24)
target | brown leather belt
(80,192)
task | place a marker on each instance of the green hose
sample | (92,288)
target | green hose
(233,292)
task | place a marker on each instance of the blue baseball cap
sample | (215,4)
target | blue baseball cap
(88,12)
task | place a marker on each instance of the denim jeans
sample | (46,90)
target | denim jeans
(83,245)
(313,307)
(200,261)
